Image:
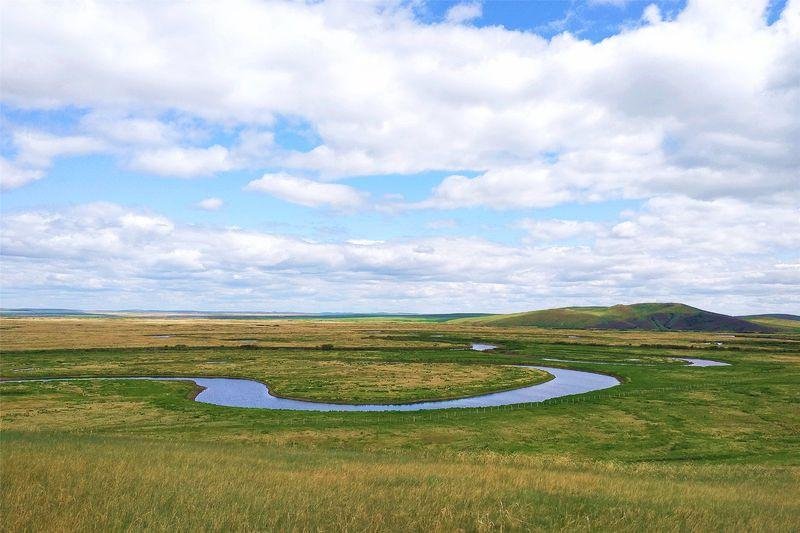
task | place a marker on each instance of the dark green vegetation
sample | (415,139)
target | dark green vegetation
(673,448)
(648,317)
(780,316)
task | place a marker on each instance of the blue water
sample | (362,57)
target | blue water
(247,393)
(691,360)
(701,362)
(230,392)
(482,347)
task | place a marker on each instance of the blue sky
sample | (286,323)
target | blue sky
(590,20)
(427,156)
(86,179)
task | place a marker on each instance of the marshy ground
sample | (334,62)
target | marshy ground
(673,448)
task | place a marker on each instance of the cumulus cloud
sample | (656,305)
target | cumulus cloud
(696,115)
(36,151)
(131,130)
(715,99)
(652,14)
(210,204)
(557,229)
(677,226)
(13,176)
(307,192)
(464,12)
(718,254)
(183,162)
(499,189)
(144,144)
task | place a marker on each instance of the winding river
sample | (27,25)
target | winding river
(701,362)
(231,392)
(247,393)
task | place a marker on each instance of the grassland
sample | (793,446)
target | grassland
(352,376)
(777,323)
(673,448)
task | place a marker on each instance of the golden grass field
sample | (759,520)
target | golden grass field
(119,484)
(52,333)
(674,448)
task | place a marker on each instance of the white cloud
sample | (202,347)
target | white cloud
(254,147)
(36,151)
(715,98)
(307,192)
(652,14)
(625,230)
(364,242)
(442,223)
(210,204)
(183,162)
(145,144)
(718,254)
(499,189)
(136,131)
(13,176)
(557,230)
(681,227)
(696,115)
(464,12)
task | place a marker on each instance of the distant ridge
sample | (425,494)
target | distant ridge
(779,321)
(230,315)
(779,316)
(644,316)
(30,311)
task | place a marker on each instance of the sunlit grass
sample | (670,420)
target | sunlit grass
(49,333)
(672,448)
(52,482)
(359,376)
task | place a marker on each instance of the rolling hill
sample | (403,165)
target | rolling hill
(781,322)
(645,316)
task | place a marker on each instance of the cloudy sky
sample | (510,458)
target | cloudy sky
(400,155)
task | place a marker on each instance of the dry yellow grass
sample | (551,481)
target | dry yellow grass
(90,484)
(674,449)
(54,332)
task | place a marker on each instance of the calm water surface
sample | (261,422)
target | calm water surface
(701,362)
(230,392)
(247,393)
(482,347)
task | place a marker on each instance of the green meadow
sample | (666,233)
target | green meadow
(673,448)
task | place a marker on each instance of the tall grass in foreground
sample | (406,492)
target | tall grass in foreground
(64,482)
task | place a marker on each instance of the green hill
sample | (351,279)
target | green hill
(783,322)
(646,316)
